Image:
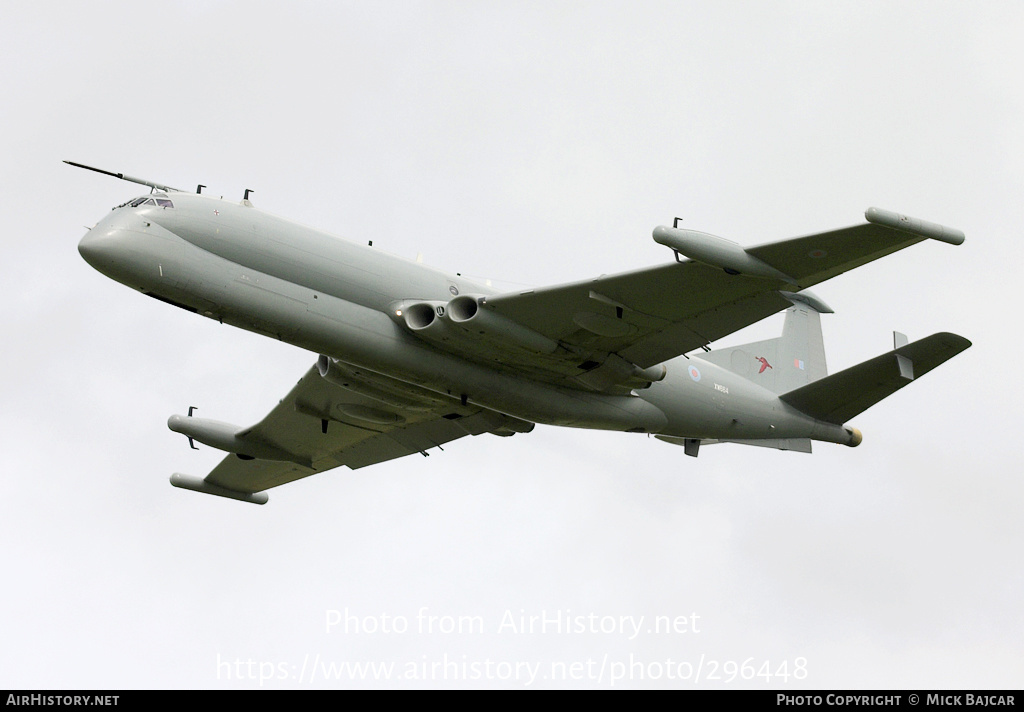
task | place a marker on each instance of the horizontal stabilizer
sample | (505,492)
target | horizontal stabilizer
(841,396)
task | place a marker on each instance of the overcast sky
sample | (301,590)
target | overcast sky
(527,143)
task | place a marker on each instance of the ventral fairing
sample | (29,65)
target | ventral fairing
(411,358)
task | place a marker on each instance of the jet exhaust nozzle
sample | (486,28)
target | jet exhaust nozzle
(424,315)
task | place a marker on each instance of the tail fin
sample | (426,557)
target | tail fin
(793,360)
(841,396)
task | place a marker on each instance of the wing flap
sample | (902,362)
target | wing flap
(703,328)
(401,442)
(647,316)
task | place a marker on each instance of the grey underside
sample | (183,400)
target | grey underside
(606,353)
(655,326)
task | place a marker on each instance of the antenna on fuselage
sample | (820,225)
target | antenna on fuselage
(130,179)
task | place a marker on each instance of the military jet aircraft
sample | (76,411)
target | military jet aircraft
(411,358)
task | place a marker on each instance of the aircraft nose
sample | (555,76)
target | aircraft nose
(96,248)
(105,248)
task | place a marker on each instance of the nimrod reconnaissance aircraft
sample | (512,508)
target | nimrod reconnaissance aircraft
(412,358)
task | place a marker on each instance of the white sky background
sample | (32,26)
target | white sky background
(536,143)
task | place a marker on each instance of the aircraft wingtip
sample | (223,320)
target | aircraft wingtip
(915,226)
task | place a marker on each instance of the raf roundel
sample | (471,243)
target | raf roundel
(694,373)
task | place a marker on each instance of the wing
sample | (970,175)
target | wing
(346,416)
(648,316)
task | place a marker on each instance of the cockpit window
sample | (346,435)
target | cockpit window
(146,200)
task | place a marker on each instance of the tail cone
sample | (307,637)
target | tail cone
(856,437)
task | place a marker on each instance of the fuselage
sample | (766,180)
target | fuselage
(236,264)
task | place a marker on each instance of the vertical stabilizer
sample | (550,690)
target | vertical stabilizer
(793,360)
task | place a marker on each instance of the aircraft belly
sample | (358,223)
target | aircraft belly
(365,337)
(270,306)
(369,339)
(702,400)
(705,402)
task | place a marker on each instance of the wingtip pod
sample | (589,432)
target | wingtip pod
(915,226)
(197,484)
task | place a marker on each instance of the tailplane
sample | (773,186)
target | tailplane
(793,366)
(843,395)
(837,398)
